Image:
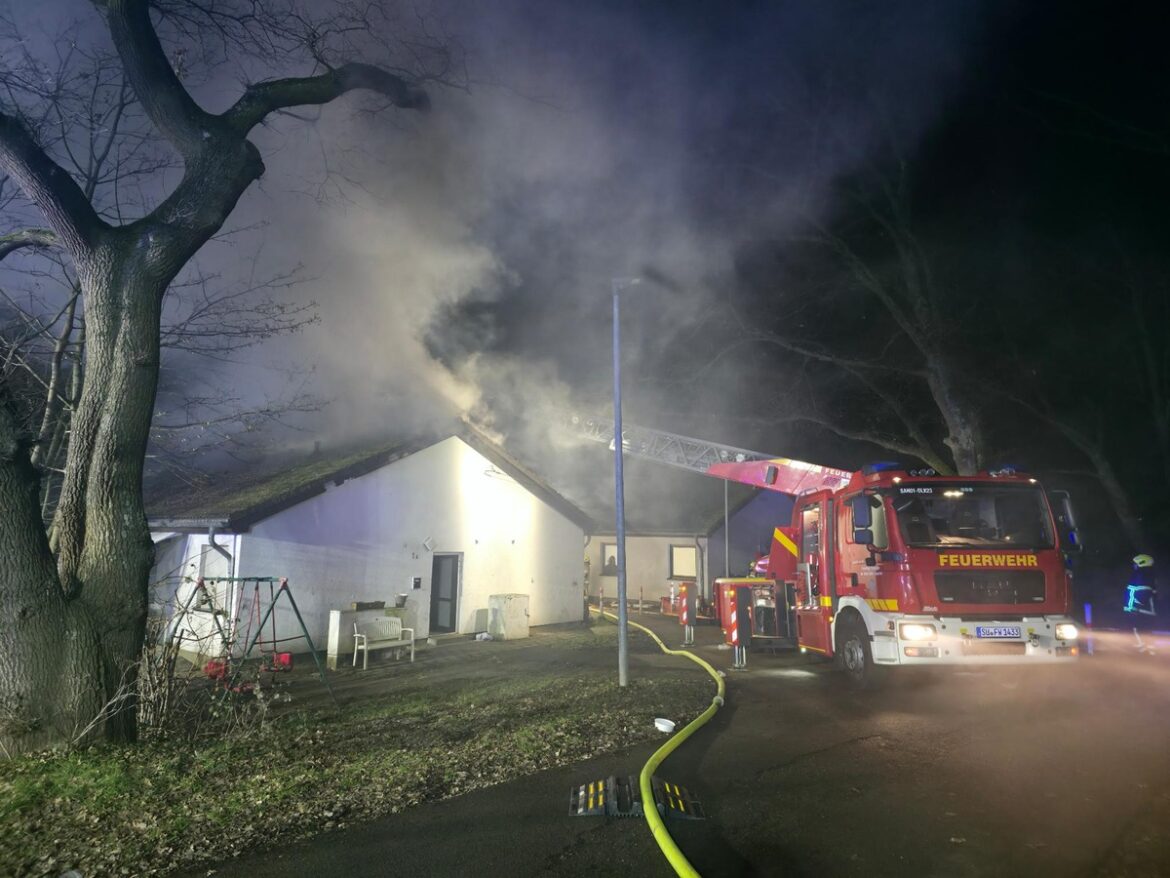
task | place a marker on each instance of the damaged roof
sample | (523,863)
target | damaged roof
(238,500)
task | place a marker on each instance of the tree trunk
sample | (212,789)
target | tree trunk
(964,437)
(104,546)
(1131,522)
(49,669)
(68,665)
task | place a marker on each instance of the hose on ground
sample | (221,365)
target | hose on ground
(666,844)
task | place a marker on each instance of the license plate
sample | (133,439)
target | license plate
(997,631)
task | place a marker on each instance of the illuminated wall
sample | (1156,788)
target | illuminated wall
(647,564)
(368,538)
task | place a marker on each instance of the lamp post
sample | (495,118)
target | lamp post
(619,284)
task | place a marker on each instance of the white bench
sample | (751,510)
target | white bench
(384,633)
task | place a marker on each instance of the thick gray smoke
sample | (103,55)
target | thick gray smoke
(463,260)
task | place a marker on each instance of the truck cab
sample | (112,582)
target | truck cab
(908,568)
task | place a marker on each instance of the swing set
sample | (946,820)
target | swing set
(202,602)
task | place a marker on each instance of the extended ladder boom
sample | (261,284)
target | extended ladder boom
(721,461)
(668,448)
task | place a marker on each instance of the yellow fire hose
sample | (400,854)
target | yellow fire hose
(666,844)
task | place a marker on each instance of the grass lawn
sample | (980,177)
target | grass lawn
(166,805)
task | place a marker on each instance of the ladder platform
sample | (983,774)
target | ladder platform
(620,796)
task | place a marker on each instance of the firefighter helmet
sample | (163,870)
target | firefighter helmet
(1143,561)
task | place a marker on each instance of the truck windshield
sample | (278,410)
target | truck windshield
(1003,516)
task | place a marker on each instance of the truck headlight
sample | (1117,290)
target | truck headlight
(1066,631)
(915,631)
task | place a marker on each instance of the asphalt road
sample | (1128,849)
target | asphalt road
(1061,771)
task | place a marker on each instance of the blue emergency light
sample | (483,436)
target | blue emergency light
(880,466)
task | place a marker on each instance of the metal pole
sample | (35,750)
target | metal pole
(619,492)
(726,533)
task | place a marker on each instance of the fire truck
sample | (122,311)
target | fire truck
(897,567)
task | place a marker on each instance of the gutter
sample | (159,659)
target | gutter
(186,525)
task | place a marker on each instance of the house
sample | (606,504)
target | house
(655,563)
(437,529)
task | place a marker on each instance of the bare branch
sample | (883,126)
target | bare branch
(882,440)
(1090,123)
(166,102)
(830,357)
(263,98)
(31,238)
(49,186)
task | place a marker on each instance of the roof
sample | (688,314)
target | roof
(239,500)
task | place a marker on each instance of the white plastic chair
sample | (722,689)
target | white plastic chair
(360,642)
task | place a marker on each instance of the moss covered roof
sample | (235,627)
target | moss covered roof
(237,499)
(234,501)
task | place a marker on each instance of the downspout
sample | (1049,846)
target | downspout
(589,569)
(211,542)
(234,622)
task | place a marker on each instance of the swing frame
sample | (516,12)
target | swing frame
(229,639)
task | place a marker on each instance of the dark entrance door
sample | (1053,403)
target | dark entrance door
(444,593)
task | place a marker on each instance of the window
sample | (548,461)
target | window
(973,515)
(609,559)
(810,532)
(683,562)
(810,548)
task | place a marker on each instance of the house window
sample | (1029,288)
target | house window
(609,559)
(683,562)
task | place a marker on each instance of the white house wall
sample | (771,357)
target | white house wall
(367,538)
(180,559)
(647,565)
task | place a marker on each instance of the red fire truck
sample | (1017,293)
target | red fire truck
(889,566)
(894,567)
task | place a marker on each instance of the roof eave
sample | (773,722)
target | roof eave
(188,525)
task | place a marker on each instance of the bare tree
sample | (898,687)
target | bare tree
(78,607)
(108,149)
(209,323)
(869,333)
(1107,397)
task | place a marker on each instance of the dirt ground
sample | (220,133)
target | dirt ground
(454,660)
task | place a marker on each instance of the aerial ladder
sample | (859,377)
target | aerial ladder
(725,462)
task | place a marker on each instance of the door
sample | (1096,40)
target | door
(444,593)
(814,601)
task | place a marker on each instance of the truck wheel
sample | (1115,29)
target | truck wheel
(853,653)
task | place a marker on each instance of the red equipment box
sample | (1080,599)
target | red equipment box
(725,590)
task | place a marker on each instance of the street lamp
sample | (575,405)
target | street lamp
(618,285)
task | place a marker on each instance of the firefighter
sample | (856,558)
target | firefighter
(1139,599)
